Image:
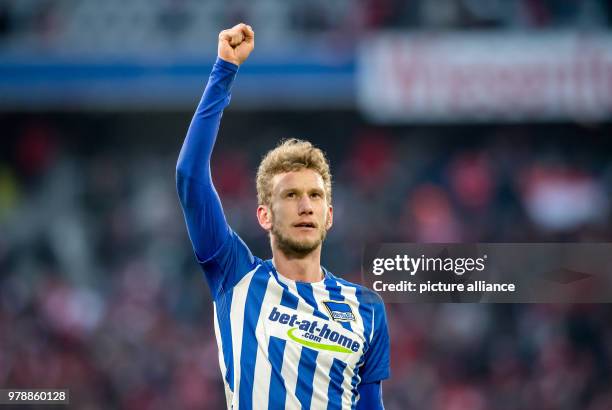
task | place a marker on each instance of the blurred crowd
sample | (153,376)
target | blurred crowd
(100,292)
(139,25)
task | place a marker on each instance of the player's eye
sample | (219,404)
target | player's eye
(316,195)
(291,194)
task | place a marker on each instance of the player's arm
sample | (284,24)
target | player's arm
(206,223)
(376,366)
(370,396)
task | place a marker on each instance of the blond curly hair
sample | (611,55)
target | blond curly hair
(291,155)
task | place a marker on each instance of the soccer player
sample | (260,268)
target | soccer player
(291,335)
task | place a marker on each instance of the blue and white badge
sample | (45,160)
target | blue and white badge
(339,311)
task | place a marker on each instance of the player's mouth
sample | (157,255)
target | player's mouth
(305,225)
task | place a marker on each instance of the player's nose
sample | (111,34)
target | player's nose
(305,206)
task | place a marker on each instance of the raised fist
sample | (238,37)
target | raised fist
(236,43)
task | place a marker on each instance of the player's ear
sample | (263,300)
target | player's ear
(264,217)
(330,217)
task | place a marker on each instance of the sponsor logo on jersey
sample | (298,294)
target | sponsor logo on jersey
(311,334)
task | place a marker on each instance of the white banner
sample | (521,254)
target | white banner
(484,76)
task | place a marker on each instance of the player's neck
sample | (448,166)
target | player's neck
(303,269)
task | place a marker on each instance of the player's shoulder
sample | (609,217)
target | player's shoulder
(364,294)
(230,264)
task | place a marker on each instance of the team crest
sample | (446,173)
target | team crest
(339,311)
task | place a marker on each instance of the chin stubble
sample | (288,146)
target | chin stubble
(293,248)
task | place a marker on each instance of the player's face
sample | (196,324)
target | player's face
(300,213)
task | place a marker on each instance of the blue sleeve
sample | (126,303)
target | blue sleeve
(223,256)
(370,396)
(376,363)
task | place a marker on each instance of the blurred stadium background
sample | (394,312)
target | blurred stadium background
(445,121)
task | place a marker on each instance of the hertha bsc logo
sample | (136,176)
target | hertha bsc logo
(340,312)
